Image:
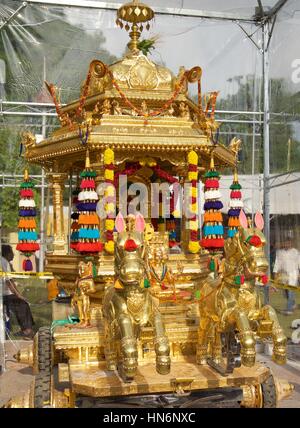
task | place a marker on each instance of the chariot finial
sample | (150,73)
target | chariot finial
(212,161)
(26,175)
(87,160)
(235,176)
(134,14)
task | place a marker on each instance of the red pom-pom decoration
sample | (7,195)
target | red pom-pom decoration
(235,194)
(265,279)
(254,240)
(130,245)
(212,184)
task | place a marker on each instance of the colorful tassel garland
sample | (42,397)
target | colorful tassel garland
(85,236)
(213,229)
(235,206)
(27,235)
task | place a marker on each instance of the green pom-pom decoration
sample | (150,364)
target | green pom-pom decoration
(146,283)
(212,174)
(235,186)
(87,173)
(27,185)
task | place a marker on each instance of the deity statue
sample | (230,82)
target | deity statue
(117,110)
(144,108)
(184,111)
(84,287)
(170,111)
(104,108)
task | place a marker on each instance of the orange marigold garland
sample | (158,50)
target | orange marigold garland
(109,159)
(213,230)
(194,246)
(27,235)
(235,206)
(88,220)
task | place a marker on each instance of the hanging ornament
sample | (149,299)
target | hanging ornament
(213,230)
(27,235)
(193,246)
(86,229)
(110,205)
(235,206)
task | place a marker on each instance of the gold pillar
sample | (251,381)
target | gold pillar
(57,183)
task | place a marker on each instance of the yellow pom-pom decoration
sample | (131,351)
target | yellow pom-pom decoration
(194,208)
(194,224)
(193,158)
(194,247)
(109,208)
(192,175)
(109,247)
(109,224)
(109,174)
(109,191)
(109,156)
(194,192)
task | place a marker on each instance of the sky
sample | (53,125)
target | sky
(222,49)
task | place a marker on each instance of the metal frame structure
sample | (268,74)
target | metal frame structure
(265,19)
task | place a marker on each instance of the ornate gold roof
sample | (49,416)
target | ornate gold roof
(134,106)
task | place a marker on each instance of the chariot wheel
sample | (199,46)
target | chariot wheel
(269,394)
(42,390)
(263,395)
(44,350)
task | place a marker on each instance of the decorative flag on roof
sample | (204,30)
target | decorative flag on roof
(27,235)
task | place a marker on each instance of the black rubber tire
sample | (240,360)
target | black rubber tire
(44,350)
(42,390)
(269,393)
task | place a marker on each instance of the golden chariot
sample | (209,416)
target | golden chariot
(141,112)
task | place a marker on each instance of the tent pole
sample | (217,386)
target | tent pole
(266,144)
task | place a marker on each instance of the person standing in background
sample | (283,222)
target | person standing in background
(286,269)
(12,298)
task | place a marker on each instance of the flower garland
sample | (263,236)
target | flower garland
(235,206)
(27,235)
(88,220)
(140,112)
(109,159)
(193,246)
(213,230)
